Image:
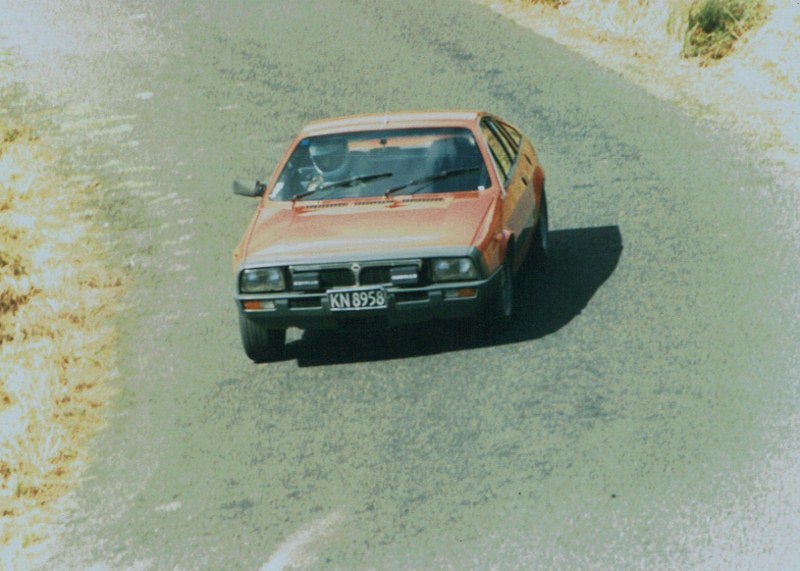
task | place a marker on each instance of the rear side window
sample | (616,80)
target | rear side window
(503,155)
(511,134)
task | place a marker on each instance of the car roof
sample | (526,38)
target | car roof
(392,120)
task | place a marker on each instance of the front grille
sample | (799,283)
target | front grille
(339,277)
(376,275)
(411,296)
(305,303)
(319,278)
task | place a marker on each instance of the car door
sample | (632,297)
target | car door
(515,167)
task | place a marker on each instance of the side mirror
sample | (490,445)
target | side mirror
(248,187)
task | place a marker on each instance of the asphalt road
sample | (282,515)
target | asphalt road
(641,415)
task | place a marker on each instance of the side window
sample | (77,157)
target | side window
(513,136)
(500,152)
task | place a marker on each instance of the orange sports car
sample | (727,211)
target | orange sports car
(380,220)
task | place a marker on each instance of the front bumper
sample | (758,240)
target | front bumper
(405,305)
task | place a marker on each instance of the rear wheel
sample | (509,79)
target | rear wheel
(261,344)
(538,253)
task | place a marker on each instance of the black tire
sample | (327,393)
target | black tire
(503,304)
(538,252)
(261,344)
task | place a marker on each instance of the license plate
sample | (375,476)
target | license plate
(356,299)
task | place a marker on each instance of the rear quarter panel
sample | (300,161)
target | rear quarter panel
(523,194)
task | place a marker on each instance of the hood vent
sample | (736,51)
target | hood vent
(320,206)
(371,203)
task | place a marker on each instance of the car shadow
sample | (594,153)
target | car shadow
(547,298)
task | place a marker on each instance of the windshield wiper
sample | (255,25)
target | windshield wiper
(355,180)
(428,179)
(346,182)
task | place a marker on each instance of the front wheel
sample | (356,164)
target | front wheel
(261,344)
(503,310)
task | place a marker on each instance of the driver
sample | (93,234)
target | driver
(331,159)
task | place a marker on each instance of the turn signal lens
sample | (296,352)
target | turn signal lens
(257,304)
(464,292)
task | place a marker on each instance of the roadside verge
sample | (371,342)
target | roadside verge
(753,92)
(57,305)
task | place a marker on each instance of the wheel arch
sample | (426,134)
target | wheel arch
(508,244)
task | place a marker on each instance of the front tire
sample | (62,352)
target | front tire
(503,304)
(262,345)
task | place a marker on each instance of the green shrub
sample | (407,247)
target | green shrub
(715,25)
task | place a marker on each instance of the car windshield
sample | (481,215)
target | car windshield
(382,163)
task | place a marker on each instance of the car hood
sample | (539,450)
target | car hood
(331,231)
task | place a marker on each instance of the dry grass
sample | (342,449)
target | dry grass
(553,3)
(56,306)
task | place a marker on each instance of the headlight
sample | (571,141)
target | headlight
(261,280)
(453,269)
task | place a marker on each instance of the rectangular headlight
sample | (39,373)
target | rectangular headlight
(261,280)
(453,269)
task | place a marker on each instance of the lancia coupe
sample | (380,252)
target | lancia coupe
(380,220)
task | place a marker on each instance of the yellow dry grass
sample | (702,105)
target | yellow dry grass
(57,301)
